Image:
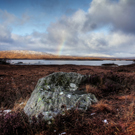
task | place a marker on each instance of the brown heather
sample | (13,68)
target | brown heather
(93,90)
(114,88)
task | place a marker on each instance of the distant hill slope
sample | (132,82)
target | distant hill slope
(22,54)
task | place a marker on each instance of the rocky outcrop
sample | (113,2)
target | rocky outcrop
(56,93)
(110,65)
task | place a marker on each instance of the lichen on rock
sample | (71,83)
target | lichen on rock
(56,93)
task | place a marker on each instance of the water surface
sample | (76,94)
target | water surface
(74,62)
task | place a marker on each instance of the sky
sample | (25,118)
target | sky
(69,27)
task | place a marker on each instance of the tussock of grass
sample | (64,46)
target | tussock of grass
(102,106)
(19,105)
(127,97)
(92,89)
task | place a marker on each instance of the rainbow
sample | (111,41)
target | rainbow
(61,46)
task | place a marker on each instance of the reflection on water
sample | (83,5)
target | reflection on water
(63,62)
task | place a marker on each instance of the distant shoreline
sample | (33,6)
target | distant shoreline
(69,59)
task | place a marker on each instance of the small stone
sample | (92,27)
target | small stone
(7,111)
(105,121)
(49,122)
(92,113)
(4,112)
(64,133)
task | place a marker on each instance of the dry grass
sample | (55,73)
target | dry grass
(131,128)
(128,118)
(127,97)
(93,90)
(19,105)
(102,106)
(129,111)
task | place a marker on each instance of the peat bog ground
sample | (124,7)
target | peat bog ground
(114,114)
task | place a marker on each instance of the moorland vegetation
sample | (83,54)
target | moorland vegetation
(114,113)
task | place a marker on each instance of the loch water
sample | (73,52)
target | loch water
(73,62)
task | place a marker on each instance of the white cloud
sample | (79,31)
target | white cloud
(5,34)
(10,19)
(6,17)
(98,55)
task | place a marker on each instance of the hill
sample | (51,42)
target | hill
(23,54)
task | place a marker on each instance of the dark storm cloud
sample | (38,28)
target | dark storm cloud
(108,12)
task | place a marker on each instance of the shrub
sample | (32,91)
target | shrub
(4,61)
(14,123)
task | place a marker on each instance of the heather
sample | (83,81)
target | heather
(114,87)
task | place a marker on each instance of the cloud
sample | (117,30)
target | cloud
(107,29)
(6,18)
(59,6)
(119,14)
(5,34)
(79,29)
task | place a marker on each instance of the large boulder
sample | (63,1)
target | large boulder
(56,93)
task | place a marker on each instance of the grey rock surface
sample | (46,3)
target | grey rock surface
(56,93)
